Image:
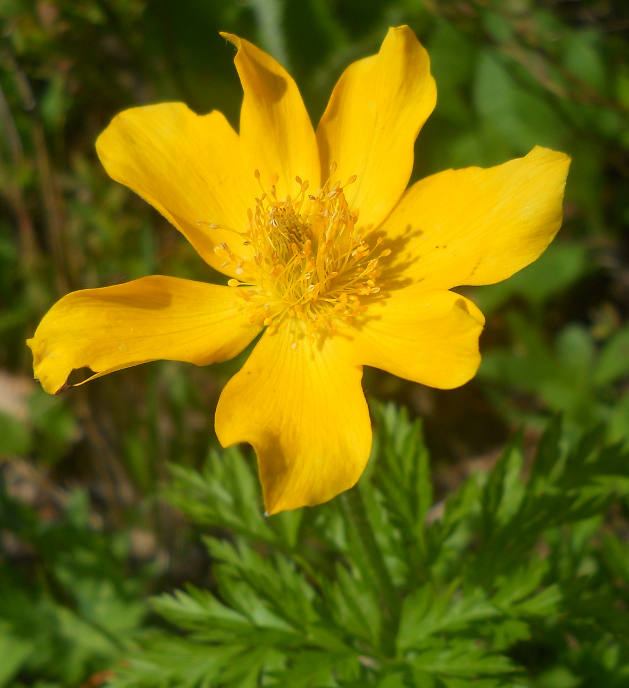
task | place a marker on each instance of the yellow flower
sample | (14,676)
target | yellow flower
(325,250)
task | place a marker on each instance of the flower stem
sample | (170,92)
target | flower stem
(389,600)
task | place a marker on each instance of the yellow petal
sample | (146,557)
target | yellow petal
(430,337)
(275,130)
(304,412)
(372,120)
(477,226)
(187,166)
(148,319)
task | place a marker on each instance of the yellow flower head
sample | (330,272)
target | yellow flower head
(325,250)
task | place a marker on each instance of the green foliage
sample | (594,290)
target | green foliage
(574,376)
(48,429)
(68,606)
(557,269)
(510,582)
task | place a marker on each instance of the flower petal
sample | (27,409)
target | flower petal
(148,319)
(478,226)
(430,337)
(187,166)
(275,130)
(304,412)
(372,120)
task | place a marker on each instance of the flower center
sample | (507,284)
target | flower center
(308,261)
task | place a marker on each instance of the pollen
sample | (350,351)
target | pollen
(306,260)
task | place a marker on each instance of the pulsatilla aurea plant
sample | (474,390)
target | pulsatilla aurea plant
(325,250)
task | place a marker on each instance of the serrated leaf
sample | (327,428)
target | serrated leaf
(428,613)
(277,585)
(542,604)
(353,605)
(521,583)
(503,490)
(405,478)
(198,609)
(314,669)
(463,659)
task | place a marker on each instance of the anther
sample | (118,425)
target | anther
(307,261)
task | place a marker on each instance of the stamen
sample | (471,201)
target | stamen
(307,262)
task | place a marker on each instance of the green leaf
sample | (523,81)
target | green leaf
(427,612)
(584,60)
(13,651)
(404,481)
(613,361)
(510,561)
(462,659)
(197,610)
(15,437)
(503,490)
(517,115)
(353,605)
(561,264)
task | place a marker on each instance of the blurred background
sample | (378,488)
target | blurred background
(84,533)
